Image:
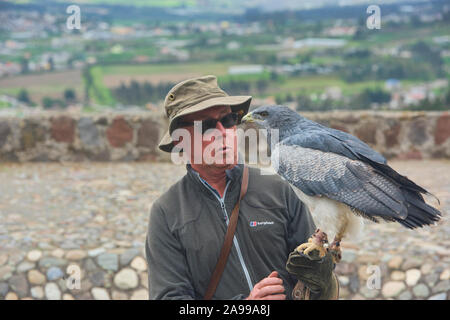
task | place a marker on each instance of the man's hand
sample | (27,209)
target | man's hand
(270,288)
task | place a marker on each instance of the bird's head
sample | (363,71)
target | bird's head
(280,118)
(275,118)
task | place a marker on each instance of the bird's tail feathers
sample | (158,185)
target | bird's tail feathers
(403,181)
(419,213)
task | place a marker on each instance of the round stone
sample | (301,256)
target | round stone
(395,262)
(15,258)
(398,275)
(139,264)
(19,284)
(445,275)
(426,268)
(36,277)
(405,295)
(48,262)
(128,255)
(140,294)
(58,253)
(34,255)
(412,277)
(25,266)
(75,255)
(126,279)
(144,279)
(11,296)
(37,292)
(95,252)
(442,286)
(100,294)
(369,293)
(54,273)
(108,261)
(431,279)
(98,278)
(119,295)
(439,296)
(344,280)
(392,289)
(67,296)
(6,272)
(52,291)
(4,288)
(363,272)
(421,291)
(412,263)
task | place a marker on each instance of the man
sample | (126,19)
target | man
(188,223)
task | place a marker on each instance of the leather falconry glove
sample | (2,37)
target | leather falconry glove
(314,272)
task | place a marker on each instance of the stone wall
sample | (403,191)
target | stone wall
(402,135)
(57,136)
(134,136)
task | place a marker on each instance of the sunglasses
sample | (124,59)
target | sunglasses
(227,121)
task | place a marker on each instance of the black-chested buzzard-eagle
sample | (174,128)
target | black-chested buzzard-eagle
(340,178)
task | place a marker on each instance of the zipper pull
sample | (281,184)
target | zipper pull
(224,211)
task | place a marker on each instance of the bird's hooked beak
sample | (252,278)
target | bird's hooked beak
(250,118)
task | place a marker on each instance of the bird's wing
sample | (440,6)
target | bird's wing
(353,148)
(318,166)
(350,146)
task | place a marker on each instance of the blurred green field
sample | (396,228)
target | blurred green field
(107,77)
(138,3)
(217,68)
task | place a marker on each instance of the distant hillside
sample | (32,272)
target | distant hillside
(226,4)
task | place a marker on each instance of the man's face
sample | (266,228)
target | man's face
(216,147)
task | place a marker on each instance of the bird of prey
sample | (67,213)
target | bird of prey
(340,179)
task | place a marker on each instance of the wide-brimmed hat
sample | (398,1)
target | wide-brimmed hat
(197,94)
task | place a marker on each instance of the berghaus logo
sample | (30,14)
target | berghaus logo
(260,223)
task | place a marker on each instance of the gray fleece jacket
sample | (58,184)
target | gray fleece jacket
(187,227)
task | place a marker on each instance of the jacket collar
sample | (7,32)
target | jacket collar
(234,174)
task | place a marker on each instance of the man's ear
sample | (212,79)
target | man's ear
(182,143)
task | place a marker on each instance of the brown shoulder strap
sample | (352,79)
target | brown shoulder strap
(225,251)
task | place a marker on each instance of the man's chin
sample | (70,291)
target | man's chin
(224,166)
(225,162)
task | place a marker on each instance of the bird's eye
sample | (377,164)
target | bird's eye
(264,113)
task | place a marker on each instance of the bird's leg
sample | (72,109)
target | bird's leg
(335,249)
(315,242)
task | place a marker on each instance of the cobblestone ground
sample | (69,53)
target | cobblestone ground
(95,215)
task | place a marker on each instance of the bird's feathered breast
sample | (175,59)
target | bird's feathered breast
(326,173)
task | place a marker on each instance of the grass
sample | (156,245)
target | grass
(265,75)
(97,90)
(138,3)
(216,68)
(388,36)
(4,104)
(319,83)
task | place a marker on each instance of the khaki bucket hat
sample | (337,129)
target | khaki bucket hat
(197,94)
